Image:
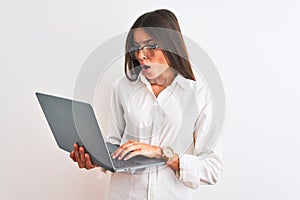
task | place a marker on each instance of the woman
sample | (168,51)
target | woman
(159,111)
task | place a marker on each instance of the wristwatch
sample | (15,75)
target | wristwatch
(167,153)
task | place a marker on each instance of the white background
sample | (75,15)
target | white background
(254,44)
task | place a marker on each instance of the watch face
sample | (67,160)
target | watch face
(168,152)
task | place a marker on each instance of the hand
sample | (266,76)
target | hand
(83,159)
(135,148)
(173,163)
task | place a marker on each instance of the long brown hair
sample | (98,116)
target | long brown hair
(163,26)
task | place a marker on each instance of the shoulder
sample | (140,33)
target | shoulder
(199,88)
(121,83)
(200,91)
(123,86)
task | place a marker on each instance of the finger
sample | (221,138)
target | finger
(124,149)
(76,153)
(121,148)
(72,156)
(132,154)
(80,159)
(89,164)
(75,146)
(117,152)
(145,150)
(81,154)
(80,163)
(128,149)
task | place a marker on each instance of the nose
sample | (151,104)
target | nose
(140,55)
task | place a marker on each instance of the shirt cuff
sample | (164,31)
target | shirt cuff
(189,174)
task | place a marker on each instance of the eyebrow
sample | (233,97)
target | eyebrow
(144,42)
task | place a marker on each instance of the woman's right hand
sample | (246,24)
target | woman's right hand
(83,159)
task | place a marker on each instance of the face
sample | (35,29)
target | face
(154,58)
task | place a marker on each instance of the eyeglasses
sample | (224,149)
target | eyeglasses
(148,50)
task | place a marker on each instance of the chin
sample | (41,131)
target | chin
(150,76)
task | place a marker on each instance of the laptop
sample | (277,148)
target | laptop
(74,121)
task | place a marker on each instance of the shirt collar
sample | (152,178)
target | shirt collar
(143,79)
(182,81)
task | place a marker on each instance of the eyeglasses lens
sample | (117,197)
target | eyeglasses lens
(148,51)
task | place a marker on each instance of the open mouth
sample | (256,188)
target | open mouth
(145,67)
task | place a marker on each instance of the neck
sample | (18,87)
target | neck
(164,79)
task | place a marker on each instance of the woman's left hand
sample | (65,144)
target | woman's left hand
(134,148)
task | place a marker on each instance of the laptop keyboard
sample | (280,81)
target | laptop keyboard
(137,160)
(123,163)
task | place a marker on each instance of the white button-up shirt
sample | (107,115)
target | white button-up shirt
(179,117)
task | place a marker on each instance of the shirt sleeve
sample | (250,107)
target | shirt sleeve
(116,121)
(205,164)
